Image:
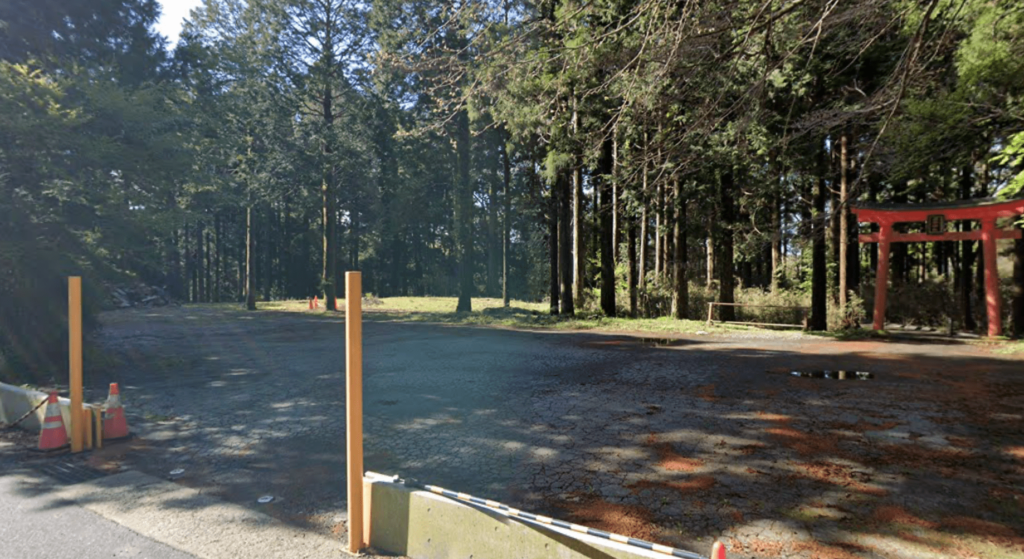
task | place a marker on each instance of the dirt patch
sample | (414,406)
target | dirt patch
(889,514)
(979,527)
(628,520)
(767,548)
(669,460)
(774,417)
(949,462)
(962,442)
(818,550)
(804,443)
(1015,451)
(843,476)
(111,457)
(695,484)
(863,426)
(707,393)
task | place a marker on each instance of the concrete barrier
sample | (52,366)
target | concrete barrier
(422,525)
(15,401)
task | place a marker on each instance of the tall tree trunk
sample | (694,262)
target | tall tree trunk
(200,262)
(506,169)
(709,248)
(833,240)
(553,249)
(873,247)
(268,253)
(565,262)
(644,219)
(604,185)
(616,229)
(819,270)
(900,251)
(173,254)
(776,244)
(327,199)
(493,251)
(844,226)
(982,191)
(250,261)
(218,227)
(1017,309)
(659,224)
(726,277)
(243,243)
(464,212)
(209,266)
(287,286)
(681,294)
(579,254)
(189,288)
(631,265)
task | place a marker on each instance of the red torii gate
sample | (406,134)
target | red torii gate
(935,215)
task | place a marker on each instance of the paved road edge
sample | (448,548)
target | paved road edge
(202,525)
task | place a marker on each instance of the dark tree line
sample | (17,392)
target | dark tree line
(632,157)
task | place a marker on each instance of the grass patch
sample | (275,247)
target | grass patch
(1012,348)
(490,312)
(851,334)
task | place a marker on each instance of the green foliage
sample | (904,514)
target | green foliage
(410,135)
(33,316)
(1012,156)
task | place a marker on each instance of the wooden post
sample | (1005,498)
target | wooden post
(75,361)
(354,406)
(882,276)
(992,298)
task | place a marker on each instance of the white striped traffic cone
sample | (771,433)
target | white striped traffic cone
(115,426)
(53,434)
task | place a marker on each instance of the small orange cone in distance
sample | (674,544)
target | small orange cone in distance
(53,434)
(115,426)
(717,551)
(316,302)
(310,303)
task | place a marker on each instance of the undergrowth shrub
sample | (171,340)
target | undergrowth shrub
(33,310)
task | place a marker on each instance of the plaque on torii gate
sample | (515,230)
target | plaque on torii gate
(935,215)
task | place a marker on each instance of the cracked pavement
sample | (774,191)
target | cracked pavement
(681,441)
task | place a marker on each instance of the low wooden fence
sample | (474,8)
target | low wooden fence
(805,312)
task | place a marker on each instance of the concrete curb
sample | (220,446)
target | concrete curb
(423,525)
(204,526)
(15,401)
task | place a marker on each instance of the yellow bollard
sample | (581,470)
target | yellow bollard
(87,424)
(97,414)
(75,361)
(354,406)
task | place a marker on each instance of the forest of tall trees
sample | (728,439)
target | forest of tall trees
(624,157)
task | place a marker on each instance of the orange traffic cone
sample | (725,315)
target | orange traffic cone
(53,434)
(717,551)
(310,303)
(316,302)
(115,426)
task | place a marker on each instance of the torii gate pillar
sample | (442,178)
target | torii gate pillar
(935,215)
(993,301)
